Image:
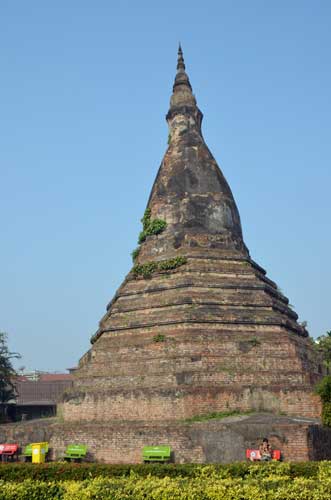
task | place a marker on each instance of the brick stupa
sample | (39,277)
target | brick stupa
(196,327)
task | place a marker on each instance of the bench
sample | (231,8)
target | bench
(156,454)
(8,452)
(75,452)
(255,455)
(27,453)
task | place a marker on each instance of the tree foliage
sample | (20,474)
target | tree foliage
(7,372)
(323,388)
(323,346)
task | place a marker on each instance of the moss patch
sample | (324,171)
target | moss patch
(135,253)
(150,226)
(146,270)
(159,338)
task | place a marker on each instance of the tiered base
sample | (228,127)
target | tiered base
(214,441)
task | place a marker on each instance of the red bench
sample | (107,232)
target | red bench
(8,451)
(255,455)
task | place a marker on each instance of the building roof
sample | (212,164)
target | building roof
(52,377)
(47,390)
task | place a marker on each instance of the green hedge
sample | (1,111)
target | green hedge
(203,487)
(53,471)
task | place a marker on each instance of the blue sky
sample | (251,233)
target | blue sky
(84,90)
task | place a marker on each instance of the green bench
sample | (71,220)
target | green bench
(75,452)
(27,453)
(156,454)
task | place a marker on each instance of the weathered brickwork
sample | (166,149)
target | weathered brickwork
(213,334)
(194,371)
(213,441)
(145,405)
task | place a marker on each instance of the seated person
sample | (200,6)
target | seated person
(265,450)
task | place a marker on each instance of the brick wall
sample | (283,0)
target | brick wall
(213,441)
(193,372)
(176,404)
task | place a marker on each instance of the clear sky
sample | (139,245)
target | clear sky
(84,89)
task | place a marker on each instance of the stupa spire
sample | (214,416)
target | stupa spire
(190,192)
(182,78)
(182,92)
(180,60)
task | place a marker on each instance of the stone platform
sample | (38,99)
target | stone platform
(213,441)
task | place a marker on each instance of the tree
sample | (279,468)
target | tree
(323,346)
(7,371)
(323,388)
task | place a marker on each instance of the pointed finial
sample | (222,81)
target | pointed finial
(182,100)
(180,60)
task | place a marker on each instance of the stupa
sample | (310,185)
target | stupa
(196,326)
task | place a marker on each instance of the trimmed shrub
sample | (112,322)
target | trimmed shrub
(30,490)
(59,471)
(203,487)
